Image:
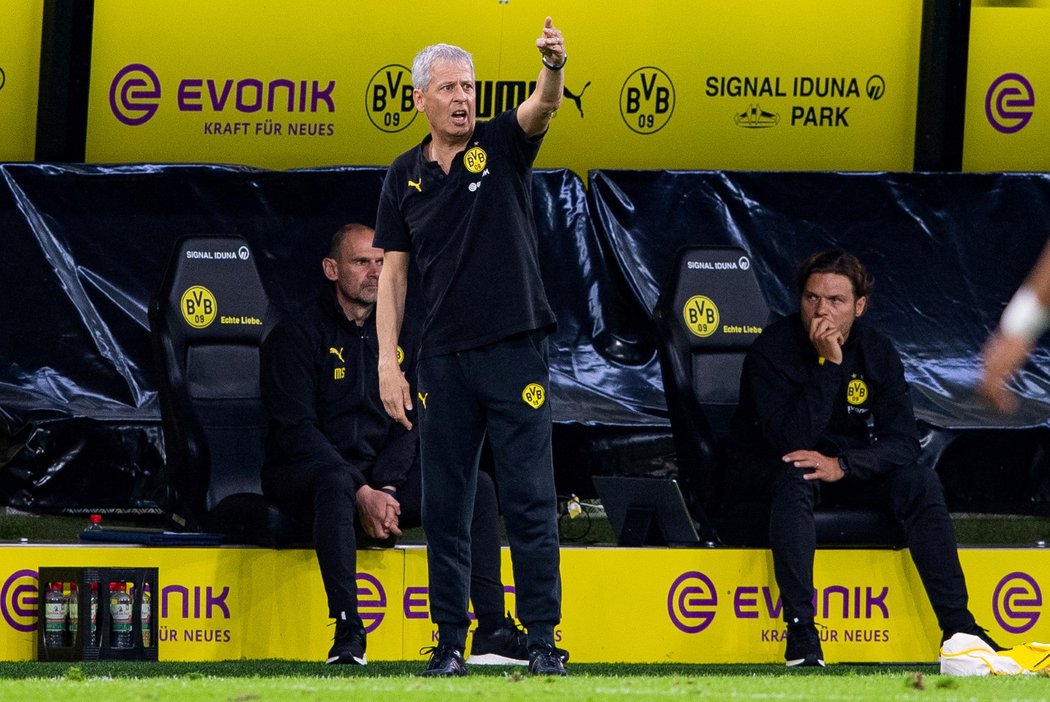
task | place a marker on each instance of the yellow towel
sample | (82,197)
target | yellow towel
(1030,656)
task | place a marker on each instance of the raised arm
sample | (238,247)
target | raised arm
(1024,320)
(534,115)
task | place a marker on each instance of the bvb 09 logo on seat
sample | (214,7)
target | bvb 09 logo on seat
(700,315)
(198,306)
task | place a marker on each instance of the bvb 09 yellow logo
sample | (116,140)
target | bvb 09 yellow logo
(400,355)
(856,392)
(198,306)
(475,159)
(700,315)
(534,395)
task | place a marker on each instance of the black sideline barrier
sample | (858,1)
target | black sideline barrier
(85,247)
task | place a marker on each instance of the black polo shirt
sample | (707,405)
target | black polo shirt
(472,235)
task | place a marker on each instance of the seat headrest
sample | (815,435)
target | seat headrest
(713,295)
(213,293)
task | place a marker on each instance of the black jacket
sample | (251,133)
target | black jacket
(320,385)
(859,411)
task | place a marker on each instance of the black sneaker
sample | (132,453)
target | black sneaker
(446,660)
(507,645)
(974,630)
(349,645)
(544,660)
(803,644)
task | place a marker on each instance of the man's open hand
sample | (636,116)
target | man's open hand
(817,465)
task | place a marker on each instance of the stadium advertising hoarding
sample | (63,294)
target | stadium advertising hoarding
(630,605)
(19,78)
(690,84)
(723,606)
(215,604)
(1007,125)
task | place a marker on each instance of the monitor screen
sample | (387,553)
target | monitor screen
(646,511)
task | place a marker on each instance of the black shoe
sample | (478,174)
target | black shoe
(507,645)
(803,644)
(446,660)
(349,645)
(974,630)
(544,660)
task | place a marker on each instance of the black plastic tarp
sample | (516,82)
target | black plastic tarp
(84,246)
(947,251)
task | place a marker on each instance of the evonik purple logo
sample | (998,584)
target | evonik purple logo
(691,602)
(370,593)
(1016,602)
(18,600)
(134,94)
(1009,103)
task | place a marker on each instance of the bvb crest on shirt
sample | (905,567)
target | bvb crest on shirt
(856,392)
(400,355)
(475,159)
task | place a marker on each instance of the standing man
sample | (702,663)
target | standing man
(824,415)
(333,452)
(460,204)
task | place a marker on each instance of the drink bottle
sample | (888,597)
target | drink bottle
(146,619)
(74,613)
(55,612)
(120,616)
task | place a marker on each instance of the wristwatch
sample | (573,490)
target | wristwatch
(555,68)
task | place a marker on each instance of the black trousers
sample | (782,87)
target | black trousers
(499,389)
(326,499)
(912,494)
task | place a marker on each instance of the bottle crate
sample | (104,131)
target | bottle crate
(78,644)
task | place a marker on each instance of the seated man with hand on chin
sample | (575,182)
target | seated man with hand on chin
(825,414)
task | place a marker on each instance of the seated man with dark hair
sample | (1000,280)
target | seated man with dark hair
(333,453)
(824,414)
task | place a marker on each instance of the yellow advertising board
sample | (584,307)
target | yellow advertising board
(19,78)
(651,605)
(722,607)
(215,604)
(1007,124)
(670,84)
